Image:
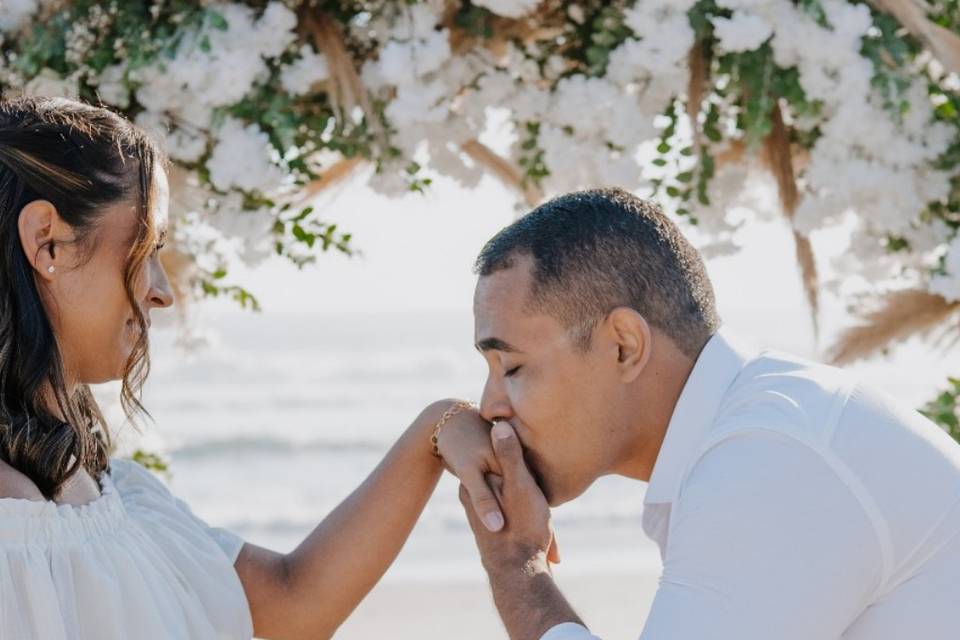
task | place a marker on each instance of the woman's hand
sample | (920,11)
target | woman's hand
(464,444)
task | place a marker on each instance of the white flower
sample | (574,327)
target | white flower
(416,21)
(742,4)
(530,103)
(447,159)
(307,70)
(848,20)
(49,83)
(274,30)
(403,62)
(417,104)
(390,180)
(248,230)
(948,284)
(178,143)
(15,13)
(945,286)
(195,81)
(111,87)
(241,159)
(508,8)
(742,32)
(578,99)
(644,17)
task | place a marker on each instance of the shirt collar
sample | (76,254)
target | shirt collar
(719,363)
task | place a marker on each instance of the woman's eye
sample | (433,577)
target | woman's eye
(511,372)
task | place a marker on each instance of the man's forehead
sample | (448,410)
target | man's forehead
(500,298)
(504,320)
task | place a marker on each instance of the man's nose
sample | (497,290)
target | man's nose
(494,403)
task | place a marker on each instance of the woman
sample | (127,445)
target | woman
(97,548)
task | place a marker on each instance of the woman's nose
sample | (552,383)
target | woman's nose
(161,293)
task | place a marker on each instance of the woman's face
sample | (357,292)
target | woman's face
(85,296)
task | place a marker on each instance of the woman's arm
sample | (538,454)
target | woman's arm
(311,591)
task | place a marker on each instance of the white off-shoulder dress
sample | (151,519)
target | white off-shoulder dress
(134,563)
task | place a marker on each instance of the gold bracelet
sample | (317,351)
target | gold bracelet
(449,413)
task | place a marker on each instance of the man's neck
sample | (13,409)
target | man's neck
(657,393)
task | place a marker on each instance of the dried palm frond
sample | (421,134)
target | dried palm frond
(502,169)
(898,316)
(780,160)
(336,174)
(912,15)
(345,89)
(546,22)
(699,68)
(735,152)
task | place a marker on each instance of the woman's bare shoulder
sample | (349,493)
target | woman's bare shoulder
(14,484)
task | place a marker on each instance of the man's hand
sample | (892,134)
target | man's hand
(524,541)
(517,558)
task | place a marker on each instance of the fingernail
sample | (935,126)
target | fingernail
(493,521)
(502,431)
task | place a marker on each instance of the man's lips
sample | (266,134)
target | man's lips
(533,465)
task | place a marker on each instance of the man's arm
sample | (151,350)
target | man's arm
(516,557)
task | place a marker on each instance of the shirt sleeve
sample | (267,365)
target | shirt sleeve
(568,631)
(133,478)
(230,543)
(767,540)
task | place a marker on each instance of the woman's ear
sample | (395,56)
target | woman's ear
(632,334)
(37,224)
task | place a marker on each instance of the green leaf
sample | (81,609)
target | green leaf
(217,21)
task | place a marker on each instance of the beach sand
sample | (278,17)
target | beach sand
(614,606)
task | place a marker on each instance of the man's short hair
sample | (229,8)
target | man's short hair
(596,250)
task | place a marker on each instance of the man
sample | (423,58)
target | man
(788,501)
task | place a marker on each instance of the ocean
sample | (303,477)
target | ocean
(269,427)
(283,415)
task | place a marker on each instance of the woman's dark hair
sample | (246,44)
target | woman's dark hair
(82,159)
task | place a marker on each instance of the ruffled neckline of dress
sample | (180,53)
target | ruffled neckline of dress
(44,521)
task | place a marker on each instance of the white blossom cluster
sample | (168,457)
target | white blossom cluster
(587,129)
(180,94)
(509,8)
(416,68)
(14,14)
(866,162)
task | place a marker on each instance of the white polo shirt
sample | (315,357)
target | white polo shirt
(791,503)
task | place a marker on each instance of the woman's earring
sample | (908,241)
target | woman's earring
(51,269)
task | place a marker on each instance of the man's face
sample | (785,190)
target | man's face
(560,400)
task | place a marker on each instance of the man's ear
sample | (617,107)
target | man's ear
(37,225)
(634,342)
